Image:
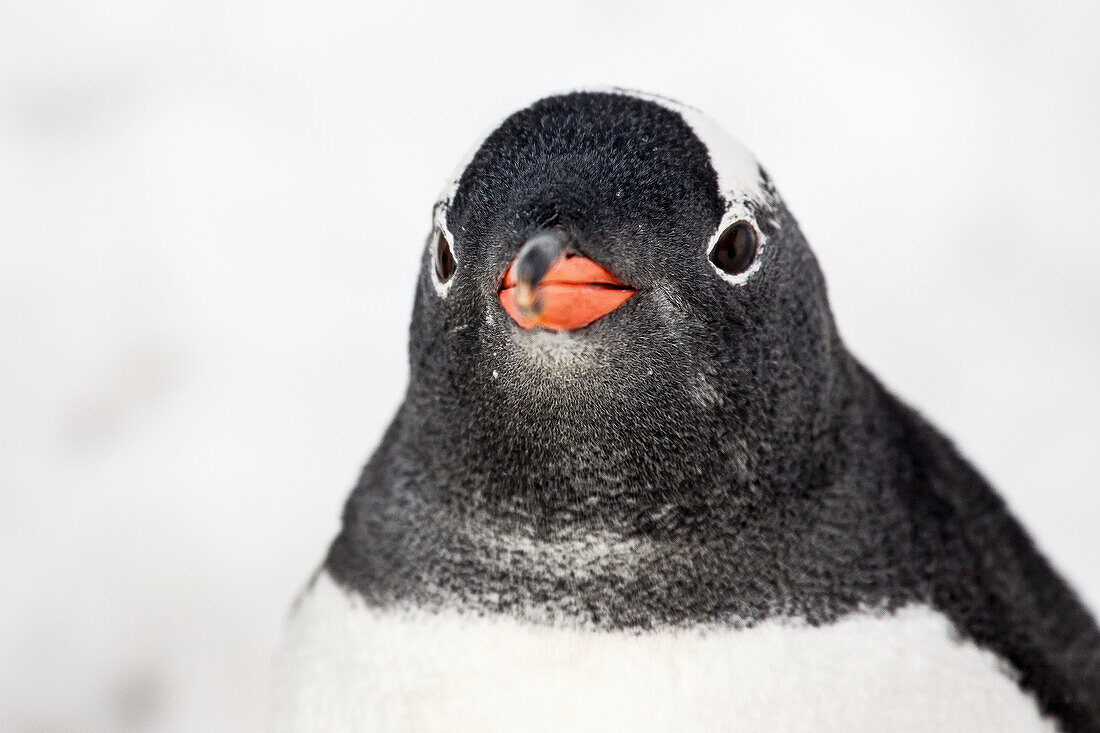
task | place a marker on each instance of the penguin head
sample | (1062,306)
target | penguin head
(610,271)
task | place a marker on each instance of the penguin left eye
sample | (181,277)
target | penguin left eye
(734,251)
(442,256)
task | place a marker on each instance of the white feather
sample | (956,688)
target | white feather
(350,668)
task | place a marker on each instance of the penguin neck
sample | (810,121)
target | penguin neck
(483,514)
(651,469)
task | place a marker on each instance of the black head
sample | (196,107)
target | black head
(720,360)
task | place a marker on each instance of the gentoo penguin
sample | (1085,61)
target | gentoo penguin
(637,482)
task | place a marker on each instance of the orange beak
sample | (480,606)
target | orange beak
(574,292)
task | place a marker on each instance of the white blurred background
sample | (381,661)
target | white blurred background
(211,214)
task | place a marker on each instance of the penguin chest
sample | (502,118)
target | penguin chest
(349,667)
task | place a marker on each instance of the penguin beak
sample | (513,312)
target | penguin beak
(551,287)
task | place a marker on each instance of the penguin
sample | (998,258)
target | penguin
(638,483)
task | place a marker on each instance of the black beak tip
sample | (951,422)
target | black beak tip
(537,255)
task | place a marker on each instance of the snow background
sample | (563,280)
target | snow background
(212,214)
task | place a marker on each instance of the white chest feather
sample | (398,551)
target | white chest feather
(348,668)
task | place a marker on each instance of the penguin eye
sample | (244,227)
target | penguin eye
(442,257)
(735,249)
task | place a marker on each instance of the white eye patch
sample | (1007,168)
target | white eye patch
(740,184)
(735,247)
(441,250)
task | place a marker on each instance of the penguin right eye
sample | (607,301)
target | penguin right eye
(442,257)
(734,251)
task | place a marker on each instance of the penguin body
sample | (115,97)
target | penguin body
(638,482)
